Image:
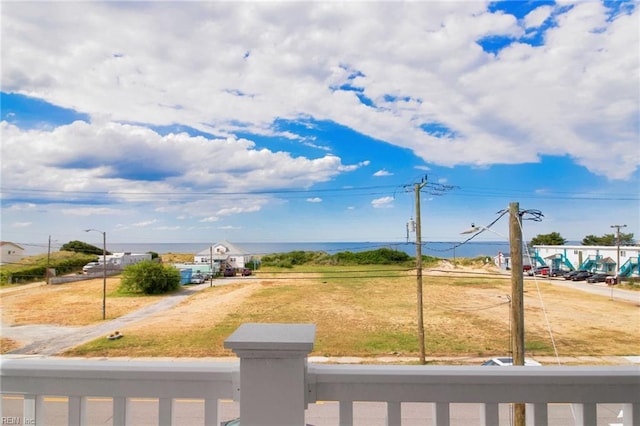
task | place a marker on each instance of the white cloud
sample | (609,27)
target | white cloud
(91,211)
(576,102)
(210,219)
(382,173)
(383,202)
(145,223)
(536,17)
(314,200)
(21,224)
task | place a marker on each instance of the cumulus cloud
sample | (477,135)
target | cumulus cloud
(382,173)
(134,164)
(21,224)
(383,202)
(294,58)
(314,200)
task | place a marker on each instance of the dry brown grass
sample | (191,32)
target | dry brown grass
(71,304)
(465,315)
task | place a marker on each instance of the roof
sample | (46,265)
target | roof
(5,243)
(230,250)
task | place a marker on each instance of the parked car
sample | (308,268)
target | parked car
(229,272)
(556,272)
(197,279)
(246,272)
(581,276)
(570,274)
(597,278)
(539,270)
(90,266)
(507,361)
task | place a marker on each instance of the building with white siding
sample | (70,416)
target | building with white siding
(592,258)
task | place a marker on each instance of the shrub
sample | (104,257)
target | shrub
(149,277)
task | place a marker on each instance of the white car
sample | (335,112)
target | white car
(508,361)
(197,279)
(90,266)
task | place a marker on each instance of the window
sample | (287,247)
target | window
(622,253)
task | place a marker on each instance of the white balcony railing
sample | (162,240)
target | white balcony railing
(274,385)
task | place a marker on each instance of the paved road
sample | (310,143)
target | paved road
(600,289)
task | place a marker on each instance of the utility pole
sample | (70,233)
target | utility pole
(210,266)
(517,299)
(417,188)
(48,273)
(618,253)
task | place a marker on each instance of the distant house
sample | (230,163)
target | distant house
(11,252)
(224,254)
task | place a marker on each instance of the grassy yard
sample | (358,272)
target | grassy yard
(371,311)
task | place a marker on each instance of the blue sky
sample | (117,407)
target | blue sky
(311,121)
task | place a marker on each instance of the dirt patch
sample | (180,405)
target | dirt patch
(208,307)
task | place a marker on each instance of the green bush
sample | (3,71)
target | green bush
(383,256)
(36,269)
(149,277)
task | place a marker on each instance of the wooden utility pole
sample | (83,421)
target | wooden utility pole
(517,299)
(48,273)
(417,188)
(617,254)
(210,266)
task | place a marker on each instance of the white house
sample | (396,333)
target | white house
(223,253)
(591,258)
(10,252)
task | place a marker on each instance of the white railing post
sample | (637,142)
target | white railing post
(273,367)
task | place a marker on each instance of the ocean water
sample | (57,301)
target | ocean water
(442,249)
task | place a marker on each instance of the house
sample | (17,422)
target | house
(592,258)
(122,260)
(224,254)
(10,252)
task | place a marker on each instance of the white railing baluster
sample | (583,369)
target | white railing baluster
(77,409)
(394,413)
(538,413)
(585,414)
(120,411)
(489,414)
(211,412)
(165,411)
(33,408)
(346,413)
(441,414)
(629,413)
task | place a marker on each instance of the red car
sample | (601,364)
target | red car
(539,270)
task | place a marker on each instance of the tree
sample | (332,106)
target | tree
(552,239)
(608,240)
(149,277)
(82,247)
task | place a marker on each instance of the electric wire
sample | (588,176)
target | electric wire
(540,298)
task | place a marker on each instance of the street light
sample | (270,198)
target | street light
(104,271)
(618,254)
(478,229)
